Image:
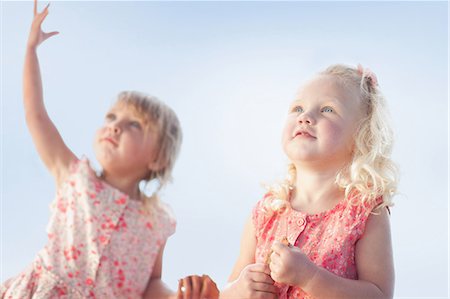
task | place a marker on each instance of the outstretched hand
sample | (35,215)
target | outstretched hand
(37,36)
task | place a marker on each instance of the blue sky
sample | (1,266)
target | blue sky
(229,70)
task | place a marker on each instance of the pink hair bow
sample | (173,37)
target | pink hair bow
(366,72)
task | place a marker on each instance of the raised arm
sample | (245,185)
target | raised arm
(49,144)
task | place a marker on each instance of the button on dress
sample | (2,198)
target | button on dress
(327,238)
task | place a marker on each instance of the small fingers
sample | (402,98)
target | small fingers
(196,282)
(274,260)
(186,287)
(265,287)
(260,267)
(44,12)
(40,17)
(209,288)
(265,295)
(261,277)
(180,289)
(50,34)
(191,287)
(278,247)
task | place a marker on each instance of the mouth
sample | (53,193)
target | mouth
(110,140)
(304,134)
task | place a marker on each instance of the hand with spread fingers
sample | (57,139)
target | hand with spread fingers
(197,287)
(37,36)
(289,265)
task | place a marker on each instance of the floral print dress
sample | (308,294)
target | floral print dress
(327,238)
(101,243)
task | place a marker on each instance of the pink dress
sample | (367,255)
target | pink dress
(101,243)
(327,238)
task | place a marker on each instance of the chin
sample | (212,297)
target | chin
(300,154)
(104,159)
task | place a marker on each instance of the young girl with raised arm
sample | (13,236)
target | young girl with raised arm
(324,232)
(105,237)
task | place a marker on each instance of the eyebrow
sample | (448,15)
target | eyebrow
(327,100)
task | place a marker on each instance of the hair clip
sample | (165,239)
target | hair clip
(367,73)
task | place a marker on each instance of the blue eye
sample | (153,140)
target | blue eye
(135,124)
(327,109)
(297,109)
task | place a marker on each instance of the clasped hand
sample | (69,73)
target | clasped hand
(289,265)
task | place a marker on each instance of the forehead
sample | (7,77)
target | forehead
(130,110)
(328,88)
(124,108)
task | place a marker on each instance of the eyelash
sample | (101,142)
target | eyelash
(297,108)
(135,124)
(112,117)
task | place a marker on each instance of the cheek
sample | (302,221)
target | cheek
(97,136)
(287,132)
(100,131)
(340,135)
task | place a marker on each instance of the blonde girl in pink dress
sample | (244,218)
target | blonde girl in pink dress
(105,237)
(324,232)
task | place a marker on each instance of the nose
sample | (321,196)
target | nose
(305,118)
(114,127)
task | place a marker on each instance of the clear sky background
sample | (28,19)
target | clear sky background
(229,70)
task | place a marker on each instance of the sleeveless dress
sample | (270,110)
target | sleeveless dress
(327,238)
(101,243)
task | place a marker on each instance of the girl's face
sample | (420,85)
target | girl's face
(125,145)
(322,122)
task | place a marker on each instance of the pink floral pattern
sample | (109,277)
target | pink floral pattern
(327,238)
(101,243)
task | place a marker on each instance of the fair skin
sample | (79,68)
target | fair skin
(247,279)
(318,139)
(124,146)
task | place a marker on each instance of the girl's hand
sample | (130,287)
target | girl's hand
(254,282)
(37,36)
(197,287)
(289,265)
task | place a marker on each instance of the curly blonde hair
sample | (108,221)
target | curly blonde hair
(156,113)
(371,174)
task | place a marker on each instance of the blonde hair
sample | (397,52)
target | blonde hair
(371,174)
(158,114)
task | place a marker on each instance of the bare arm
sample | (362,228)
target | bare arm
(247,250)
(156,288)
(374,263)
(247,279)
(49,144)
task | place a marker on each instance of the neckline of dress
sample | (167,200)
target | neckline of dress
(318,215)
(98,178)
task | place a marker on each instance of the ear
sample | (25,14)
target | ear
(156,165)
